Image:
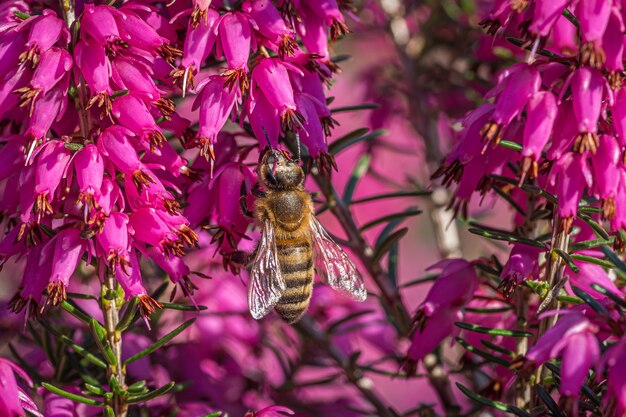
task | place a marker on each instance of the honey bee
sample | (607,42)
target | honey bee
(292,245)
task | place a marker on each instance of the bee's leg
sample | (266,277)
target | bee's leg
(240,257)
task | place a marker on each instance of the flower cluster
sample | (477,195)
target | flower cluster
(550,137)
(88,172)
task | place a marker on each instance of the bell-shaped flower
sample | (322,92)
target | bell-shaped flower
(589,274)
(606,173)
(47,110)
(52,165)
(199,42)
(235,40)
(570,176)
(114,240)
(272,77)
(271,25)
(114,143)
(329,11)
(13,401)
(540,116)
(157,228)
(176,270)
(573,338)
(152,194)
(522,265)
(564,37)
(454,287)
(516,85)
(593,17)
(545,15)
(133,75)
(587,86)
(216,103)
(312,134)
(313,32)
(131,112)
(89,167)
(35,279)
(131,282)
(44,31)
(95,67)
(613,47)
(138,33)
(614,363)
(54,65)
(100,23)
(68,251)
(427,335)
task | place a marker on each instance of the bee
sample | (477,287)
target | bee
(292,246)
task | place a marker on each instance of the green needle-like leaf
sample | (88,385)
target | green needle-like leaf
(161,342)
(78,349)
(548,401)
(351,139)
(133,399)
(491,331)
(358,172)
(364,106)
(567,259)
(102,342)
(383,247)
(490,403)
(593,303)
(74,397)
(615,260)
(483,354)
(408,213)
(618,299)
(182,307)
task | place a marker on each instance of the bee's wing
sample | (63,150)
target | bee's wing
(266,284)
(334,265)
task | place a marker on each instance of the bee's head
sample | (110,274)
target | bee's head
(279,172)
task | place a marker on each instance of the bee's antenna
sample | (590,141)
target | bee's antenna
(267,137)
(298,147)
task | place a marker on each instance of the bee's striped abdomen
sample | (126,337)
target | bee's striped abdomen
(296,265)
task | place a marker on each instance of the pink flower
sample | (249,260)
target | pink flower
(523,264)
(272,78)
(614,361)
(216,102)
(545,16)
(587,93)
(89,166)
(593,16)
(516,85)
(13,401)
(271,25)
(44,31)
(52,164)
(570,176)
(68,250)
(235,37)
(114,241)
(606,173)
(573,339)
(132,113)
(540,115)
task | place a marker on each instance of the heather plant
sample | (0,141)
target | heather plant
(131,132)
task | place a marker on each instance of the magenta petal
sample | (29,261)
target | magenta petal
(89,167)
(587,86)
(581,353)
(199,41)
(545,15)
(235,34)
(518,89)
(541,113)
(593,16)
